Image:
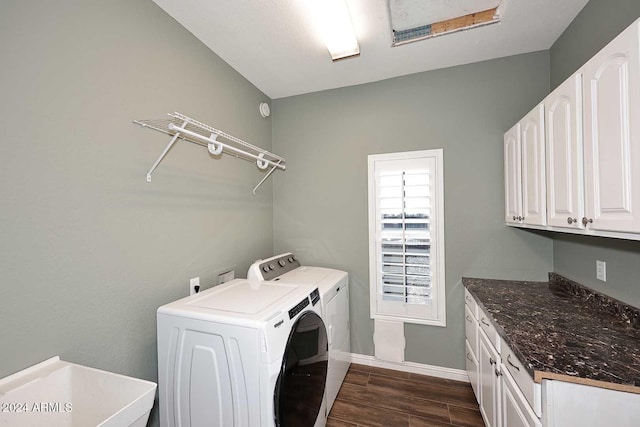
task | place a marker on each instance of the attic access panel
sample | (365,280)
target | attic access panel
(414,20)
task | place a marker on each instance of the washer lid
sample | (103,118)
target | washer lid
(326,279)
(243,296)
(306,275)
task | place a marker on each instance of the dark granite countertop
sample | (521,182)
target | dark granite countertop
(562,330)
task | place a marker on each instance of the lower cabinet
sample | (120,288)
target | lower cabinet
(472,370)
(508,396)
(500,396)
(489,378)
(515,410)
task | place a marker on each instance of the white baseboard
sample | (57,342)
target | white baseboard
(412,367)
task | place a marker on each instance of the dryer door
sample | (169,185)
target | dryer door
(300,387)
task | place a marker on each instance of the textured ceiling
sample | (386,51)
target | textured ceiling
(274,44)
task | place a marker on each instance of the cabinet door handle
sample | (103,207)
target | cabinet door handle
(467,298)
(514,217)
(483,322)
(517,368)
(469,357)
(571,220)
(468,319)
(492,361)
(586,221)
(498,372)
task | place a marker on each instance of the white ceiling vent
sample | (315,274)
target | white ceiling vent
(414,20)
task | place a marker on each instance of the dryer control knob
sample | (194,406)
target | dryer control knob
(271,266)
(290,259)
(265,269)
(282,263)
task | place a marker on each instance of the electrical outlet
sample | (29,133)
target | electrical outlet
(226,276)
(194,286)
(601,270)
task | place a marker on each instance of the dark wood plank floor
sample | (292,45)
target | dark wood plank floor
(375,397)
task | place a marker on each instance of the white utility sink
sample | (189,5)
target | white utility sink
(56,393)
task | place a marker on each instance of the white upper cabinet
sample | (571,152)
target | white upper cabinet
(565,189)
(512,175)
(588,131)
(524,164)
(534,209)
(612,135)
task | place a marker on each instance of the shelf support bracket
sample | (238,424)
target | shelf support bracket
(164,153)
(266,176)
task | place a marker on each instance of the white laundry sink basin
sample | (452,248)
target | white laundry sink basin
(56,393)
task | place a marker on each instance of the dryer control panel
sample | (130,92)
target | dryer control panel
(272,268)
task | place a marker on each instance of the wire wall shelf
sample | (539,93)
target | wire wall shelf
(179,126)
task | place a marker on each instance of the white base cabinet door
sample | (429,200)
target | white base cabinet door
(612,135)
(516,412)
(489,381)
(472,371)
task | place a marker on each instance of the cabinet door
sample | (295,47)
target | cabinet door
(512,176)
(612,135)
(488,361)
(516,411)
(471,329)
(532,147)
(565,188)
(472,370)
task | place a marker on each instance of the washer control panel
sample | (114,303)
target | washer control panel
(298,308)
(272,268)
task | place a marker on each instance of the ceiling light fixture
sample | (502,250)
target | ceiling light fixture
(334,22)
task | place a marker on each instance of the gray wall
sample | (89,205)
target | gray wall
(596,25)
(88,248)
(320,204)
(575,256)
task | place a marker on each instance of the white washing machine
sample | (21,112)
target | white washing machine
(243,354)
(334,293)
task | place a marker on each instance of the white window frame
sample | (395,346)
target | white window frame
(435,313)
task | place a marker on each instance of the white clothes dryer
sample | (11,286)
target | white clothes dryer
(334,293)
(243,354)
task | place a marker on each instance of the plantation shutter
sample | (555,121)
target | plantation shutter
(405,261)
(405,243)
